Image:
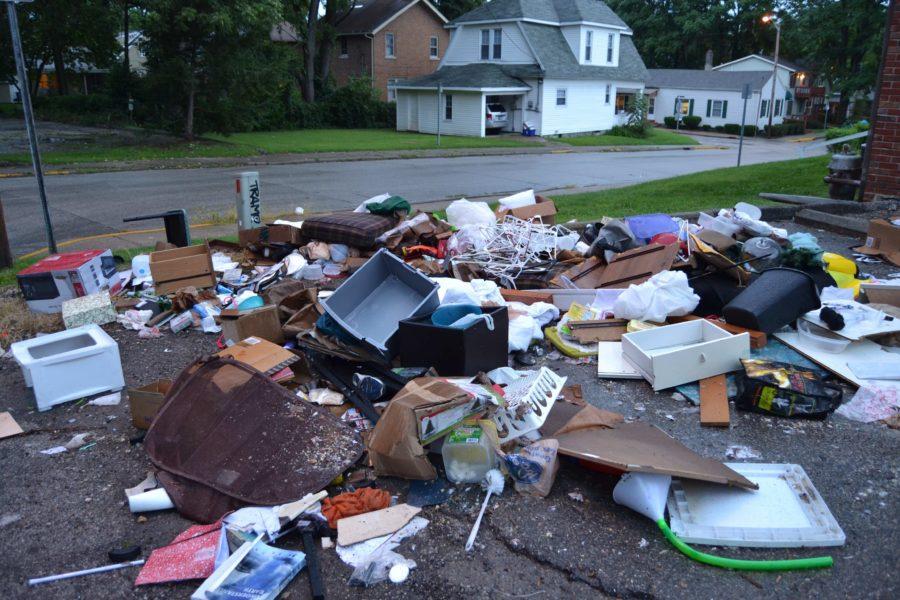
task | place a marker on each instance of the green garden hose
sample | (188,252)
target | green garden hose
(818,562)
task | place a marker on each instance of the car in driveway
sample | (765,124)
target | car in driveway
(496,117)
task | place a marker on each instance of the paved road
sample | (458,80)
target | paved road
(96,203)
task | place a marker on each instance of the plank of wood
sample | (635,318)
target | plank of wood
(714,410)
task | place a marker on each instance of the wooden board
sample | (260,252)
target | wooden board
(714,402)
(366,526)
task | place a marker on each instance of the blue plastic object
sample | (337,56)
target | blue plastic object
(451,313)
(251,303)
(645,227)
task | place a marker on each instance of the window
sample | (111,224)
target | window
(389,45)
(651,106)
(433,47)
(764,108)
(448,107)
(789,107)
(611,42)
(778,107)
(716,109)
(560,96)
(498,40)
(344,50)
(608,92)
(485,44)
(684,106)
(588,45)
(391,93)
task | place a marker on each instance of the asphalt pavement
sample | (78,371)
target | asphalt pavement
(96,203)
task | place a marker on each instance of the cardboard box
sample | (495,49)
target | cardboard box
(60,277)
(261,355)
(146,401)
(259,323)
(883,239)
(182,267)
(94,308)
(884,293)
(425,407)
(284,234)
(543,208)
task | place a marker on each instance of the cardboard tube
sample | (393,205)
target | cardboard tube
(156,499)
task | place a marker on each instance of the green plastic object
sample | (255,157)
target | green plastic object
(819,562)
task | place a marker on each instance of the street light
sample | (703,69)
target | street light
(770,18)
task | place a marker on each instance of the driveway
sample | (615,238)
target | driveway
(90,204)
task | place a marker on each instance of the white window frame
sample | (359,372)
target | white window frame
(497,45)
(391,93)
(651,106)
(764,109)
(448,105)
(712,112)
(344,47)
(610,49)
(564,96)
(778,104)
(390,45)
(608,94)
(485,44)
(433,48)
(588,45)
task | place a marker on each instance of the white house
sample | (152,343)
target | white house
(561,66)
(716,96)
(790,75)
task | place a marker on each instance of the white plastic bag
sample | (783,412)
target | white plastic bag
(666,293)
(462,212)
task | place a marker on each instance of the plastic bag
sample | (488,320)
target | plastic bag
(785,390)
(534,468)
(665,294)
(462,212)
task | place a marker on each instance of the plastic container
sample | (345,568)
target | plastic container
(468,454)
(383,292)
(776,298)
(312,272)
(451,313)
(821,338)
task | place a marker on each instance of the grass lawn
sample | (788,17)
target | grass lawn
(712,189)
(656,137)
(131,152)
(350,140)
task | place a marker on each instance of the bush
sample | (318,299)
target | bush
(669,122)
(842,131)
(706,127)
(732,129)
(11,111)
(719,128)
(691,121)
(356,106)
(625,131)
(90,109)
(813,124)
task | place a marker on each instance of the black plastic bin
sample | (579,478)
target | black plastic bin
(776,298)
(454,351)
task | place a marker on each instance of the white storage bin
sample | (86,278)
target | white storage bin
(685,352)
(69,365)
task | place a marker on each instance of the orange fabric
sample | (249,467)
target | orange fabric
(349,504)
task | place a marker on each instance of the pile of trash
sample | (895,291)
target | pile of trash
(387,342)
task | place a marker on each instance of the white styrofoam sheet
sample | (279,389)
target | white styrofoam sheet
(856,331)
(785,512)
(860,351)
(611,364)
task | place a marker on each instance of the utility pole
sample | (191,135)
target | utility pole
(25,94)
(745,94)
(438,113)
(771,19)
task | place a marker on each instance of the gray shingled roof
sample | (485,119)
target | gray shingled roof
(558,61)
(477,75)
(699,79)
(553,11)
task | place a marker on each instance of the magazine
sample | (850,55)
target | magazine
(254,572)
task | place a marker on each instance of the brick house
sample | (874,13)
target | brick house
(882,166)
(403,38)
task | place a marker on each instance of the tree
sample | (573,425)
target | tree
(210,53)
(454,8)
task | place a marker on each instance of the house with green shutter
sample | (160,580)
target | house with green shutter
(716,96)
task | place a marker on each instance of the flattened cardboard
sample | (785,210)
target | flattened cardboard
(527,296)
(394,446)
(718,261)
(882,293)
(146,401)
(714,402)
(643,448)
(8,426)
(543,208)
(182,267)
(261,323)
(633,266)
(883,239)
(261,355)
(359,528)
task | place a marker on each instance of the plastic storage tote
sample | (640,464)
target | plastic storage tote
(371,303)
(776,298)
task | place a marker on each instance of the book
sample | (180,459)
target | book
(254,572)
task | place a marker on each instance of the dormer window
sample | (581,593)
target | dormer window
(588,45)
(609,48)
(489,50)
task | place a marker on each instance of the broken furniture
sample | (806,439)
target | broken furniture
(676,354)
(178,232)
(70,364)
(182,267)
(626,268)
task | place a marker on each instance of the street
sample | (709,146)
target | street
(96,203)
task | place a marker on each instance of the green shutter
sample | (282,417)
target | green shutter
(724,109)
(691,108)
(708,108)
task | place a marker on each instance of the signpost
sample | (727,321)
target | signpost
(438,114)
(745,94)
(25,94)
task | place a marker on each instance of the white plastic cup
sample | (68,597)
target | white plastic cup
(156,499)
